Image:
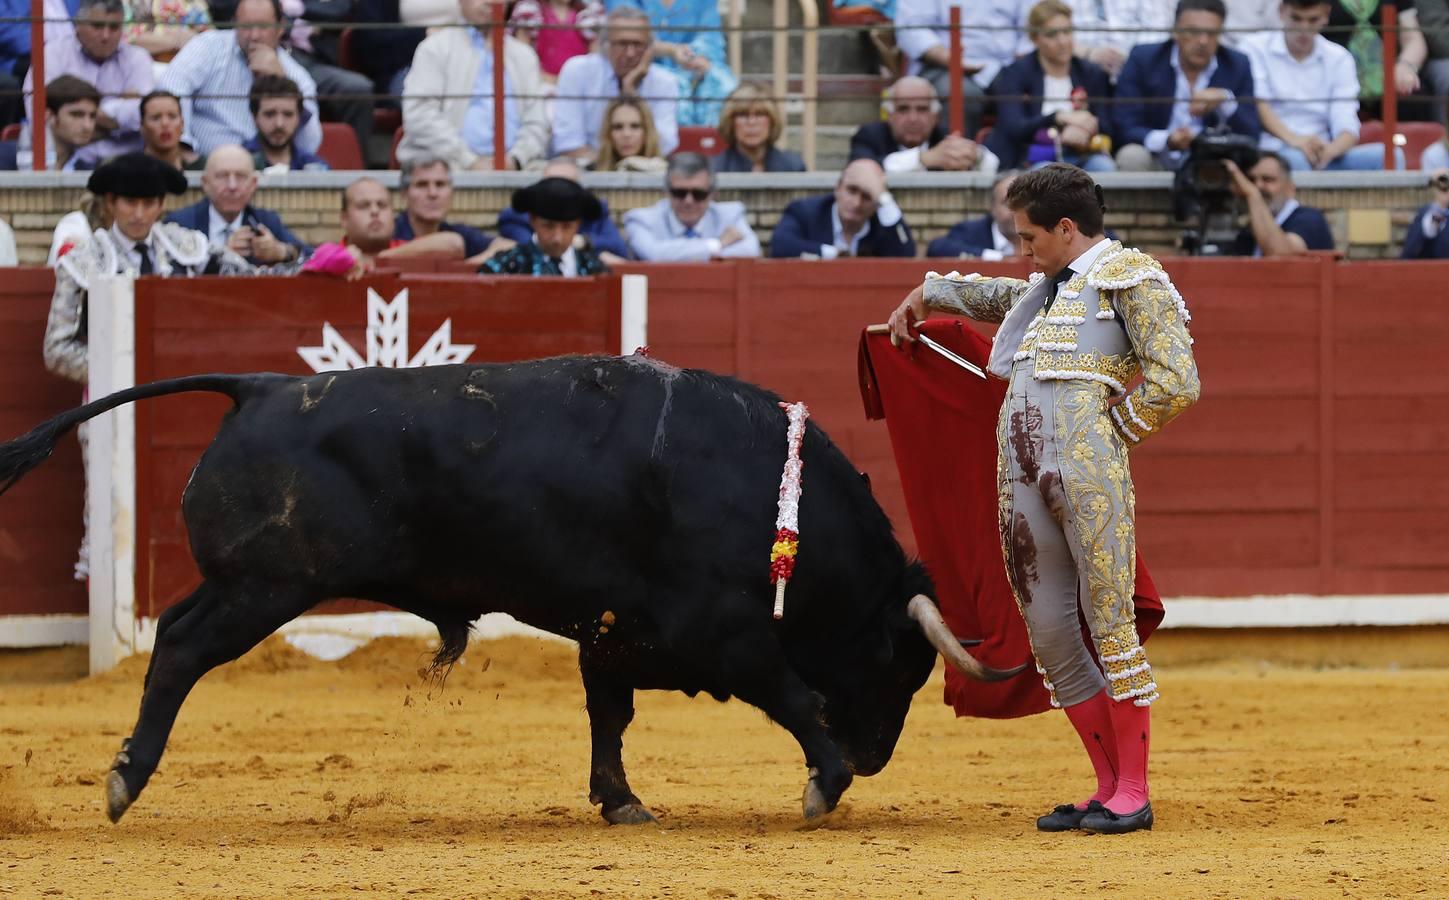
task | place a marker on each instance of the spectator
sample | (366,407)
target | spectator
(750,127)
(912,139)
(162,27)
(440,119)
(599,230)
(623,66)
(1308,93)
(1204,79)
(991,237)
(342,95)
(71,106)
(993,33)
(14,58)
(213,76)
(1105,31)
(385,54)
(429,14)
(1050,105)
(1249,18)
(276,105)
(228,219)
(1434,25)
(1426,237)
(688,224)
(1278,225)
(557,30)
(1354,24)
(859,219)
(368,236)
(628,141)
(690,45)
(121,73)
(427,185)
(161,130)
(555,207)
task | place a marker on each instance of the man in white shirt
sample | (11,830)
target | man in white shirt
(447,101)
(1307,90)
(213,77)
(1105,31)
(623,66)
(993,33)
(689,225)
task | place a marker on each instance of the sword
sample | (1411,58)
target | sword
(954,357)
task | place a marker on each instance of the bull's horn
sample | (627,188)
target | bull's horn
(939,634)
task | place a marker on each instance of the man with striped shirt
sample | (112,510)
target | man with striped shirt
(213,77)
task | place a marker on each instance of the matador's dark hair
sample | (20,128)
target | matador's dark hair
(1055,192)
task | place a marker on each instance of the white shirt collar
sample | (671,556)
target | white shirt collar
(1000,243)
(216,226)
(1083,263)
(128,246)
(1278,45)
(568,264)
(1204,76)
(838,233)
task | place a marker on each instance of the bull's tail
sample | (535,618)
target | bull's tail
(28,451)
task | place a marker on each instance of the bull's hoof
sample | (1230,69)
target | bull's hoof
(118,797)
(815,802)
(629,814)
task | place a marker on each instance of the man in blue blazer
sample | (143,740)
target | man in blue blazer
(227,216)
(859,219)
(1427,238)
(990,237)
(1205,79)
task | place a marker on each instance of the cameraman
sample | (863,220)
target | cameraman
(1427,238)
(1278,225)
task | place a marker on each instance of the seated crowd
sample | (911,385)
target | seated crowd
(1126,85)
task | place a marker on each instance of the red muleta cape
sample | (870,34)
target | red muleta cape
(942,423)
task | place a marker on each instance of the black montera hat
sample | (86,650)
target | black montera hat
(557,199)
(136,175)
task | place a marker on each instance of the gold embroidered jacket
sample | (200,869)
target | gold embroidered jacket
(1122,318)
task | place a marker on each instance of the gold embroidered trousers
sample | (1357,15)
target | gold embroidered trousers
(1065,506)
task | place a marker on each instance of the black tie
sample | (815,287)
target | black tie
(1058,280)
(145,253)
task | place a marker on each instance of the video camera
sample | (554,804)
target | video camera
(1202,190)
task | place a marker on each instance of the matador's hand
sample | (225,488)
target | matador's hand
(911,311)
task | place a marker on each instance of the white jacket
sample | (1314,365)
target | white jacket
(446,65)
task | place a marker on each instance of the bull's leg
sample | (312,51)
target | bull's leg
(764,679)
(216,624)
(611,709)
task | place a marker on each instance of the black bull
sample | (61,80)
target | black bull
(619,502)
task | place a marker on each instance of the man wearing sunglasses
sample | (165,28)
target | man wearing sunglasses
(689,225)
(96,52)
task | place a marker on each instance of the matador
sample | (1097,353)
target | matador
(1070,345)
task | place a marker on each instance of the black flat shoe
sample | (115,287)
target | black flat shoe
(1104,821)
(1067,817)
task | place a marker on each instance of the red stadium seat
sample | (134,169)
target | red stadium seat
(339,146)
(700,139)
(10,132)
(1414,137)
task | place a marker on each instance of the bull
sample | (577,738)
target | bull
(616,501)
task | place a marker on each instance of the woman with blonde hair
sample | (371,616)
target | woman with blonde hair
(628,141)
(750,126)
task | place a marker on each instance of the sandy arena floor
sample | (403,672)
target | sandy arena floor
(291,777)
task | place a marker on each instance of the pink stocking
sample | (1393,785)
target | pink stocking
(1093,721)
(1133,726)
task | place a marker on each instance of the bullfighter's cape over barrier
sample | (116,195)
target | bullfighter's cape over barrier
(942,423)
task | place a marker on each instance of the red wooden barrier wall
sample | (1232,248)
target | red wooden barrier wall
(1311,464)
(40,520)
